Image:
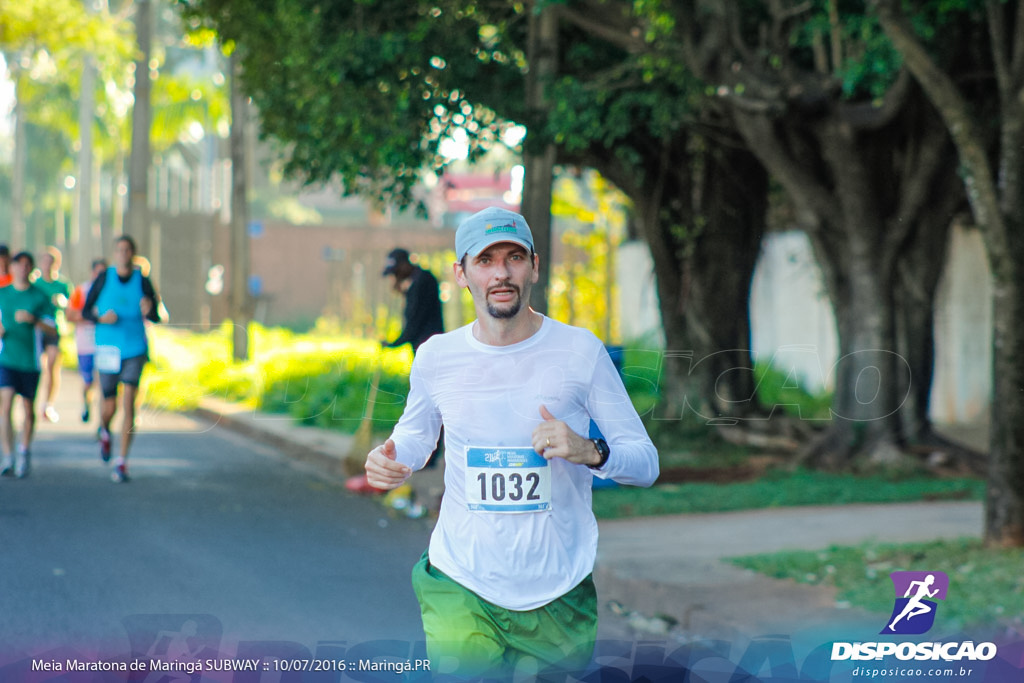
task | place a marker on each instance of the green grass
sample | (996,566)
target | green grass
(642,374)
(322,378)
(986,585)
(779,488)
(319,378)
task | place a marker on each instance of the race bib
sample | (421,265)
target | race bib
(500,479)
(108,359)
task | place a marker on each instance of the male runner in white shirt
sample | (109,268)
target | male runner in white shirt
(507,575)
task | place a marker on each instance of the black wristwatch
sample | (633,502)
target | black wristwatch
(602,449)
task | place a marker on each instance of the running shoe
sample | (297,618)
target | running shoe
(104,437)
(8,469)
(120,474)
(85,413)
(23,464)
(50,413)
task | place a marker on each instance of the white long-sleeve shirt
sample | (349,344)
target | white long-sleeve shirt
(516,529)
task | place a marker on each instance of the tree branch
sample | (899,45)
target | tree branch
(981,187)
(805,188)
(619,30)
(919,173)
(1016,63)
(869,116)
(1000,53)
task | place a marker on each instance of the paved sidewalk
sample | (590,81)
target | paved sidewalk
(673,566)
(664,577)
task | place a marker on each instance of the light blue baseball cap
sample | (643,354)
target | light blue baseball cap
(490,226)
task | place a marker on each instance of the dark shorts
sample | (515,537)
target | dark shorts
(51,340)
(87,367)
(24,382)
(131,372)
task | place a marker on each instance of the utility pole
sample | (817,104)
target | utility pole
(239,299)
(18,228)
(83,216)
(141,154)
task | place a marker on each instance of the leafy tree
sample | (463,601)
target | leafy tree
(363,91)
(989,137)
(583,287)
(816,93)
(368,90)
(49,47)
(686,106)
(643,122)
(43,44)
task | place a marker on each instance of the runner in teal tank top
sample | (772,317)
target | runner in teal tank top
(120,302)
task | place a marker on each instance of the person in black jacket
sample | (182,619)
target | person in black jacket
(423,314)
(423,317)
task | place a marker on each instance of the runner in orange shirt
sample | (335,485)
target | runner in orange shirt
(5,266)
(85,336)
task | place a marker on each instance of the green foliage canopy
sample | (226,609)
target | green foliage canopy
(366,90)
(46,43)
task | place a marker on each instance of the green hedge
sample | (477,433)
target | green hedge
(323,377)
(319,379)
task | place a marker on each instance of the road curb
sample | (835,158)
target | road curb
(295,449)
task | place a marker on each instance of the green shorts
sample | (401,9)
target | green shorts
(470,637)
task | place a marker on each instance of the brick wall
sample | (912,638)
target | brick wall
(306,271)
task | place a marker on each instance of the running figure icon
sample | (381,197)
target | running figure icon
(915,606)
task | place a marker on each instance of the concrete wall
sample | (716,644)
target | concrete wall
(638,295)
(303,272)
(962,389)
(793,326)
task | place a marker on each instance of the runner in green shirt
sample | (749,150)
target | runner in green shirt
(58,289)
(24,315)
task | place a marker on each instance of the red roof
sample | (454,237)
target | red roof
(465,192)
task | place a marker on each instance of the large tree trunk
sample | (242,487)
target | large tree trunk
(717,275)
(859,181)
(828,170)
(997,208)
(701,209)
(867,374)
(539,153)
(866,182)
(919,267)
(1004,509)
(919,270)
(659,207)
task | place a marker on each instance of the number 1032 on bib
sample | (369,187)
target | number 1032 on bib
(500,479)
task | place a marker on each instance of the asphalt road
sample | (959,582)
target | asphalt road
(217,542)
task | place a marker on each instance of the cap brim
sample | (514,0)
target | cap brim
(486,244)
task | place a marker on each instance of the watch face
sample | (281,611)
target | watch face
(602,447)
